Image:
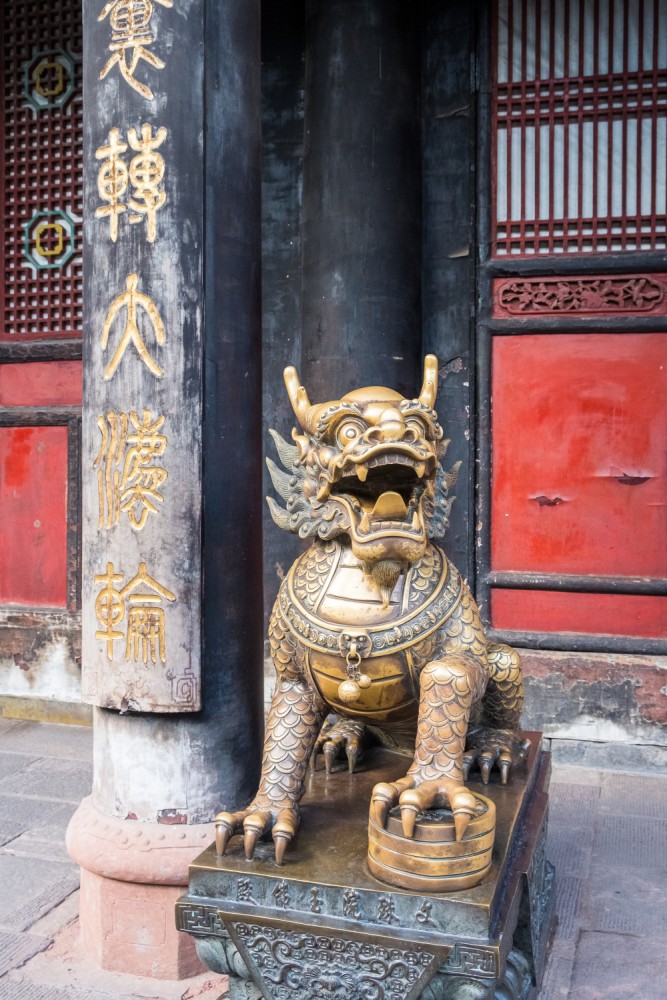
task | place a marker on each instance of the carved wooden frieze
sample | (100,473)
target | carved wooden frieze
(596,295)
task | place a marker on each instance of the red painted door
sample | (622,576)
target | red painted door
(575,555)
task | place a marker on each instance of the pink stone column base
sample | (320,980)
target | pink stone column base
(128,927)
(132,873)
(132,851)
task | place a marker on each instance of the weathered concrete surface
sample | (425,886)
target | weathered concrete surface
(37,709)
(40,655)
(593,696)
(610,756)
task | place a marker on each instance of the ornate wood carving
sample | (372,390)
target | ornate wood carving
(597,295)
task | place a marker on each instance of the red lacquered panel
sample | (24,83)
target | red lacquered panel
(33,501)
(591,614)
(579,454)
(41,383)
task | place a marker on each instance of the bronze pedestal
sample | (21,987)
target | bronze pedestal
(322,926)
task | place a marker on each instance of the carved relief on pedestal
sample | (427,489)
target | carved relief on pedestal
(298,966)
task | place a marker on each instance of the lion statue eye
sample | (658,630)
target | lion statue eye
(417,427)
(348,431)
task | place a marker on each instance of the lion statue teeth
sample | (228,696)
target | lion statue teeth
(373,623)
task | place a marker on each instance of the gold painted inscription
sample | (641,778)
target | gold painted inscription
(145,174)
(138,607)
(132,300)
(129,471)
(130,40)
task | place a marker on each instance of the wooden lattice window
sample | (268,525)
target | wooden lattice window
(580,126)
(41,186)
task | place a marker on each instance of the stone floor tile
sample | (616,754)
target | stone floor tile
(18,814)
(630,842)
(619,967)
(15,949)
(29,887)
(48,778)
(7,724)
(569,849)
(556,979)
(11,763)
(568,904)
(53,922)
(627,902)
(44,840)
(48,739)
(32,910)
(572,805)
(12,990)
(634,795)
(573,775)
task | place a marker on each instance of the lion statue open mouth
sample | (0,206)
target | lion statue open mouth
(373,622)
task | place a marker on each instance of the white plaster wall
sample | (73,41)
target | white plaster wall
(51,674)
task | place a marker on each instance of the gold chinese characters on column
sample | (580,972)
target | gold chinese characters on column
(129,467)
(132,301)
(138,608)
(130,40)
(140,435)
(145,174)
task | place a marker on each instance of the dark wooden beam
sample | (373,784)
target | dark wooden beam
(361,198)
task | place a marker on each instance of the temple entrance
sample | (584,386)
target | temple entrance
(504,167)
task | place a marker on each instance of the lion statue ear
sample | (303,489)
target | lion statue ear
(430,384)
(298,397)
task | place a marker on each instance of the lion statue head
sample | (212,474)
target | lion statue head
(368,466)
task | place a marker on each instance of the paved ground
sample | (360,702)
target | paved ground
(608,840)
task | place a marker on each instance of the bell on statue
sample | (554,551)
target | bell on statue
(349,690)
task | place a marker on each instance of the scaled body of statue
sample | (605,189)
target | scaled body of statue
(373,623)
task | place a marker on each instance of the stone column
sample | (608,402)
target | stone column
(361,197)
(171,568)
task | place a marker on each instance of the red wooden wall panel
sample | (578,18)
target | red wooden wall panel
(33,501)
(579,454)
(41,383)
(602,614)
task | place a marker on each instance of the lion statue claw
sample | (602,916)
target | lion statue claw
(373,623)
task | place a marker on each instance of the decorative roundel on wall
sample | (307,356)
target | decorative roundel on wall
(48,79)
(48,239)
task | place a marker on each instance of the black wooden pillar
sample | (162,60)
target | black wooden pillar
(171,456)
(450,253)
(229,732)
(361,197)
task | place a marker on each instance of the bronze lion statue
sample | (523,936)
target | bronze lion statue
(373,623)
